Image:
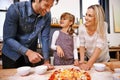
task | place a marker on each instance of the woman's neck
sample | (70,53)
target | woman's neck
(91,30)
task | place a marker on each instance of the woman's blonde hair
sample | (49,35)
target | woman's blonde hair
(71,18)
(100,19)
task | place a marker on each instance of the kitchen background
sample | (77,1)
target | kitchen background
(78,8)
(74,7)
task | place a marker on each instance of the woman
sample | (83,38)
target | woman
(63,44)
(93,38)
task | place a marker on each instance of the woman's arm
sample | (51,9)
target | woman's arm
(82,53)
(89,64)
(94,57)
(82,43)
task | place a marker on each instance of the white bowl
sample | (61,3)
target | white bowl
(117,70)
(41,69)
(99,66)
(25,70)
(116,76)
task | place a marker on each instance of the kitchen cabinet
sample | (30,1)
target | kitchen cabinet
(116,51)
(57,25)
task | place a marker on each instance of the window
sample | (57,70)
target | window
(4,4)
(2,17)
(3,8)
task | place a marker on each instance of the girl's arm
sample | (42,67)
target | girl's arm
(56,47)
(75,47)
(54,38)
(75,52)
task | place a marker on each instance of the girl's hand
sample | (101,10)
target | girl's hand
(76,62)
(60,51)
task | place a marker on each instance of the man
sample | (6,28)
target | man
(25,23)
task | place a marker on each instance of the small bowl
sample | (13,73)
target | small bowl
(116,76)
(117,70)
(41,69)
(25,70)
(99,66)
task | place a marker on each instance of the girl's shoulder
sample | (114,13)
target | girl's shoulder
(57,31)
(74,35)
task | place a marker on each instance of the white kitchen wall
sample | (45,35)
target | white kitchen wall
(73,7)
(114,38)
(4,4)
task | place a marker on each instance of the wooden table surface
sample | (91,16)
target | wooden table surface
(11,74)
(5,73)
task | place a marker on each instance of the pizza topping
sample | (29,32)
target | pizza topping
(70,74)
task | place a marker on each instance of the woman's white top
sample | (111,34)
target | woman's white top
(54,38)
(91,42)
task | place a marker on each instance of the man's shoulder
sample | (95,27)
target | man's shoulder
(23,8)
(21,4)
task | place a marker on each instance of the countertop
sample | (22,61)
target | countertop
(11,74)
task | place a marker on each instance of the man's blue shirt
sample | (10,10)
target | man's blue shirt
(22,28)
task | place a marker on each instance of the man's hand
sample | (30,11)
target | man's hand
(33,57)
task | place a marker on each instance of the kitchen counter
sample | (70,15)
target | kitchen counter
(5,73)
(11,74)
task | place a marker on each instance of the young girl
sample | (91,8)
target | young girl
(63,43)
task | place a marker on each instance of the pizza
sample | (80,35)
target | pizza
(70,74)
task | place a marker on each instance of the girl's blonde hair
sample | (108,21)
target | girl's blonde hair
(100,19)
(71,18)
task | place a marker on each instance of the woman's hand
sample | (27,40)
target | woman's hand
(60,51)
(85,66)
